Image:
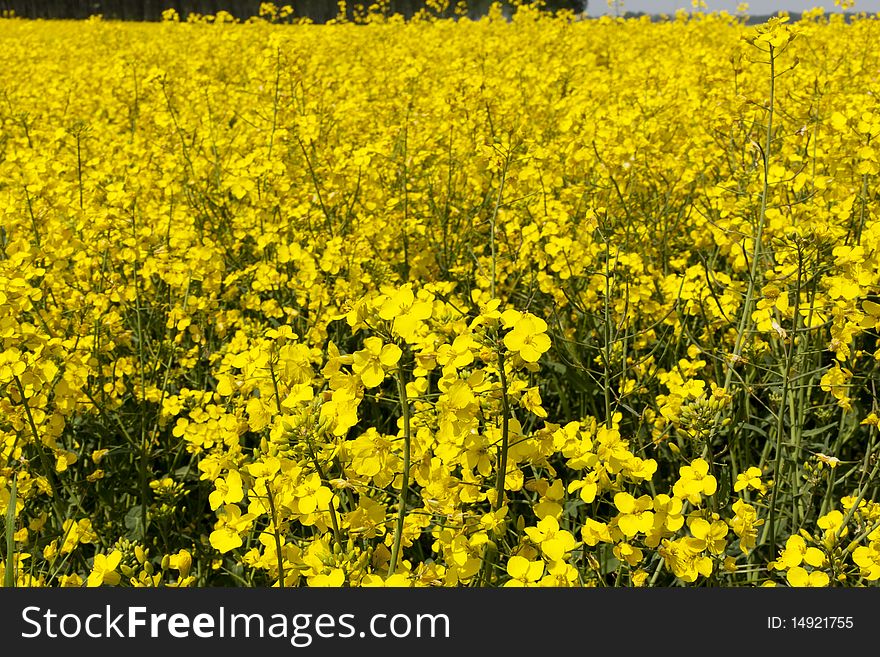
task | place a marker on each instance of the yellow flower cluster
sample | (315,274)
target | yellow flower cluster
(530,302)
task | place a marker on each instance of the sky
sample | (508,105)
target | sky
(757,7)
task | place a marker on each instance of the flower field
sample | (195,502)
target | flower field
(528,302)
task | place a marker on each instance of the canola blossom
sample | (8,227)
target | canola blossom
(544,301)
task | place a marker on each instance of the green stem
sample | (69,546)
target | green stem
(505,435)
(404,484)
(493,220)
(276,532)
(323,477)
(489,553)
(9,571)
(314,178)
(858,500)
(606,350)
(770,529)
(79,171)
(756,251)
(145,444)
(50,477)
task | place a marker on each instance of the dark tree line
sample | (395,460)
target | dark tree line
(151,10)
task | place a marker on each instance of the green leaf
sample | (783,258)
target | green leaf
(134,523)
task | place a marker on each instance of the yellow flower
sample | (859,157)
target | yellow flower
(523,572)
(405,311)
(227,491)
(227,535)
(798,577)
(555,543)
(528,337)
(707,536)
(371,362)
(749,478)
(635,514)
(104,569)
(694,482)
(868,559)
